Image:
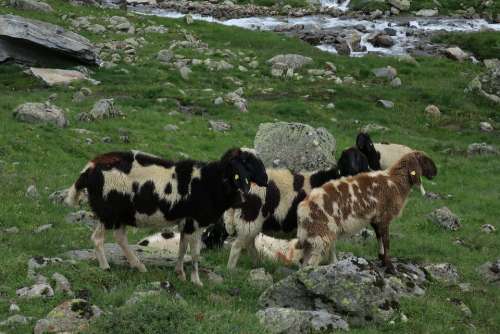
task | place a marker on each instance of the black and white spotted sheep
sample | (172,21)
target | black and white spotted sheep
(138,189)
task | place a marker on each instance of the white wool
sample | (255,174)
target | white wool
(391,153)
(158,242)
(279,250)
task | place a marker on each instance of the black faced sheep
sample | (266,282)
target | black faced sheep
(135,189)
(360,158)
(343,207)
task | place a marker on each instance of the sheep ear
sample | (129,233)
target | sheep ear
(361,140)
(415,171)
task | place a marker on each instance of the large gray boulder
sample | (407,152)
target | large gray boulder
(34,5)
(33,41)
(40,113)
(290,321)
(353,288)
(295,146)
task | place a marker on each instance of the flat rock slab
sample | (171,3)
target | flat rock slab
(114,254)
(34,112)
(18,35)
(54,76)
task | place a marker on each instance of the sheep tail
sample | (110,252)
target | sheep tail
(75,191)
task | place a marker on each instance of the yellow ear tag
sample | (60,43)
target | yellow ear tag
(236,177)
(413,173)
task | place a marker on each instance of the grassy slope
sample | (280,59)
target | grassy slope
(446,7)
(483,45)
(51,158)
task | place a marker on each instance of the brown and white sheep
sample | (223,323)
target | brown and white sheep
(343,207)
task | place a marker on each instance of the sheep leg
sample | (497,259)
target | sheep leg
(120,235)
(384,231)
(333,253)
(380,242)
(98,237)
(252,252)
(234,255)
(179,267)
(195,247)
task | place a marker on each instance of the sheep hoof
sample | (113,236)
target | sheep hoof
(198,283)
(391,270)
(181,275)
(141,267)
(105,268)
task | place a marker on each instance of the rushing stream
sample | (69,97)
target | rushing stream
(405,32)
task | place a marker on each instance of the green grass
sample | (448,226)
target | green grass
(445,7)
(51,158)
(271,3)
(483,45)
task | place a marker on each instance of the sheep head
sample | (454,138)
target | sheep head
(365,144)
(414,165)
(242,168)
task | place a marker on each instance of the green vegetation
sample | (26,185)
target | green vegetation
(270,3)
(483,45)
(444,7)
(51,158)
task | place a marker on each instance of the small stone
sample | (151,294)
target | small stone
(35,291)
(330,105)
(433,110)
(188,19)
(386,104)
(259,278)
(373,127)
(445,218)
(165,56)
(62,284)
(396,82)
(443,272)
(218,101)
(170,127)
(253,64)
(486,126)
(12,230)
(465,287)
(106,140)
(404,318)
(14,308)
(185,72)
(385,72)
(456,53)
(481,149)
(43,228)
(214,277)
(32,192)
(16,320)
(488,228)
(242,68)
(219,126)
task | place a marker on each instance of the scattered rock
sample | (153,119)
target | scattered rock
(403,5)
(288,320)
(185,72)
(461,305)
(330,105)
(165,56)
(35,291)
(103,109)
(259,278)
(237,100)
(40,113)
(11,230)
(386,104)
(293,61)
(219,126)
(14,308)
(82,217)
(150,257)
(445,218)
(396,82)
(485,126)
(381,40)
(43,228)
(443,273)
(33,5)
(59,196)
(32,192)
(297,146)
(354,288)
(19,33)
(490,271)
(427,12)
(373,127)
(432,110)
(218,101)
(213,276)
(481,149)
(38,262)
(53,76)
(170,127)
(16,320)
(388,72)
(188,19)
(465,287)
(456,53)
(72,316)
(62,284)
(488,228)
